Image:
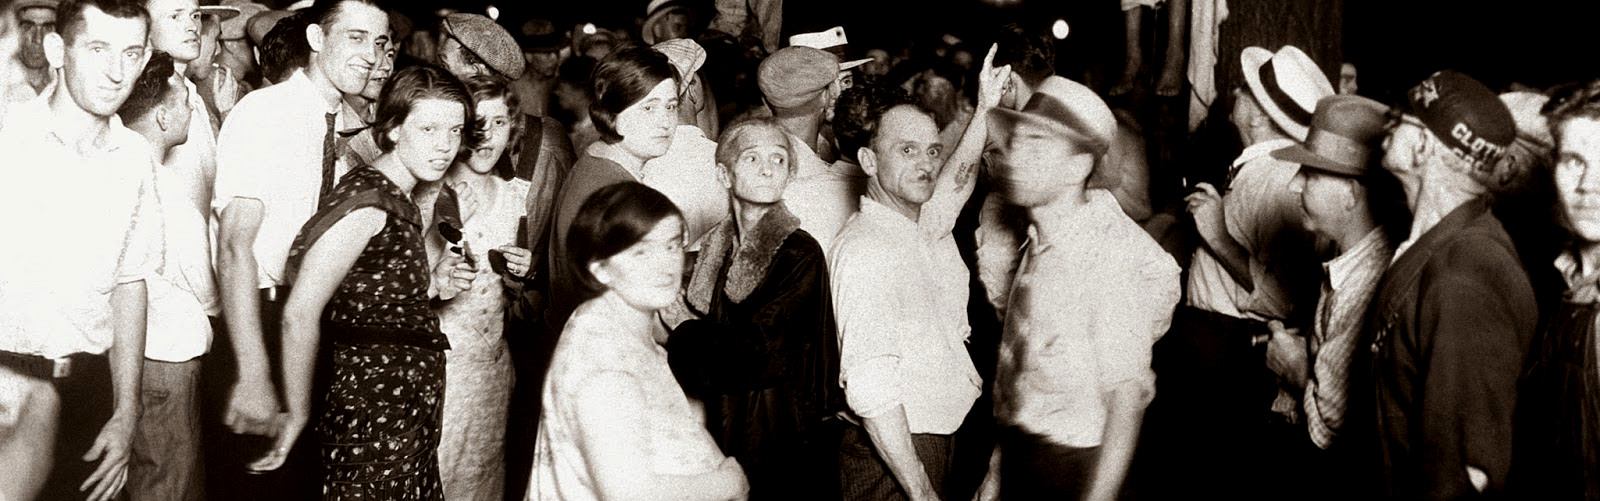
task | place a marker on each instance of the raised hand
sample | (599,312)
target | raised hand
(992,81)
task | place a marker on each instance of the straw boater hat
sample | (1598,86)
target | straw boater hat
(832,40)
(1288,85)
(221,12)
(685,55)
(1343,131)
(1066,107)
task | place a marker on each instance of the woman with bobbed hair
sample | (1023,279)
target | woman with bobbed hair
(615,424)
(635,109)
(360,275)
(478,368)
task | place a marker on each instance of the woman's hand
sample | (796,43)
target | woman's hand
(519,261)
(293,424)
(453,276)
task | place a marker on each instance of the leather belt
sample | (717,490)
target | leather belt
(275,294)
(37,366)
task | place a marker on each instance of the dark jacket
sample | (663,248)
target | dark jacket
(1558,409)
(763,356)
(1450,324)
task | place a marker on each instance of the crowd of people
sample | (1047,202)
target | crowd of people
(330,252)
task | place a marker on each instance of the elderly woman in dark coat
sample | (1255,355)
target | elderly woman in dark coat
(762,352)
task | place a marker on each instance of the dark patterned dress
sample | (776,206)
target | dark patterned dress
(381,399)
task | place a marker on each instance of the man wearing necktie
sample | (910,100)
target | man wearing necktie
(276,157)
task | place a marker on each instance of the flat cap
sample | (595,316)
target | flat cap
(795,75)
(488,41)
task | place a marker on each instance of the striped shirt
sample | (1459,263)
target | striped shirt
(1351,279)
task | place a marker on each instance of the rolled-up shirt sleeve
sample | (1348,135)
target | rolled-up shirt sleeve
(1125,348)
(244,153)
(869,323)
(143,249)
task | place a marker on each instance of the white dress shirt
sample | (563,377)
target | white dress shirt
(270,149)
(900,303)
(1258,208)
(687,175)
(823,196)
(1085,313)
(184,296)
(79,226)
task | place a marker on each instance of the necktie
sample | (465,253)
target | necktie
(328,156)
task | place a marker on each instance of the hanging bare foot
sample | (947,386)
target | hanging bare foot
(1172,73)
(1130,77)
(1133,52)
(1171,82)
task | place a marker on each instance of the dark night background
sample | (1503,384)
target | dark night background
(1395,43)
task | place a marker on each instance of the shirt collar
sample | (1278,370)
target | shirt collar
(37,113)
(807,163)
(1368,252)
(881,215)
(300,84)
(1259,150)
(1580,288)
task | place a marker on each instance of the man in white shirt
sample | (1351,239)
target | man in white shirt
(1093,294)
(28,75)
(181,299)
(900,297)
(80,193)
(275,157)
(798,83)
(1255,263)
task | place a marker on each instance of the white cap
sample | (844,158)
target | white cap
(832,40)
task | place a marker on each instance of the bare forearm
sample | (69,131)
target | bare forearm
(891,437)
(236,268)
(1126,411)
(1234,259)
(301,333)
(128,303)
(955,183)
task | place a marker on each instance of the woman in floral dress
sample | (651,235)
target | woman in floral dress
(478,367)
(360,275)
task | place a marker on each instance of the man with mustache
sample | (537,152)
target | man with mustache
(276,158)
(901,298)
(72,312)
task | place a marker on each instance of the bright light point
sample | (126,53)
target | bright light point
(588,28)
(494,12)
(1060,29)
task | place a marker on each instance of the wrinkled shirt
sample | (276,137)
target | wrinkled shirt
(687,175)
(1259,211)
(184,296)
(270,149)
(80,226)
(823,195)
(1085,312)
(900,302)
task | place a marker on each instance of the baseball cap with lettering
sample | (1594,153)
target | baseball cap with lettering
(1468,118)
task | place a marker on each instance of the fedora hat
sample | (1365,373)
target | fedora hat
(1062,105)
(831,40)
(1288,84)
(1341,136)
